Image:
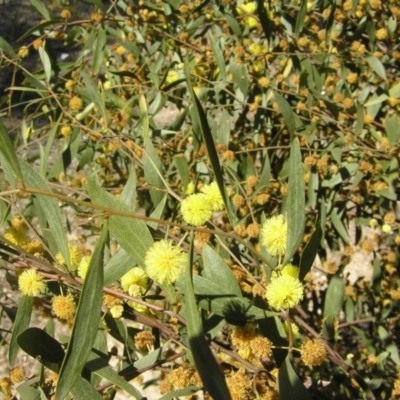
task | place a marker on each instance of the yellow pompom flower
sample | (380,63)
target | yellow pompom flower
(196,209)
(165,262)
(64,306)
(313,352)
(75,255)
(284,292)
(288,270)
(213,196)
(83,266)
(274,235)
(135,282)
(31,283)
(248,8)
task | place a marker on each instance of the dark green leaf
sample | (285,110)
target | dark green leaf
(208,369)
(296,202)
(289,384)
(8,152)
(201,120)
(27,392)
(43,347)
(310,252)
(338,224)
(300,18)
(21,323)
(183,169)
(86,322)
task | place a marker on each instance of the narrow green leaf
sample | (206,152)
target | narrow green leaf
(87,321)
(183,169)
(153,171)
(334,296)
(300,18)
(208,369)
(51,209)
(310,252)
(8,152)
(219,57)
(289,384)
(338,224)
(377,66)
(83,390)
(216,270)
(287,113)
(133,235)
(21,323)
(8,50)
(41,8)
(45,59)
(99,46)
(265,173)
(129,193)
(92,94)
(392,126)
(158,212)
(201,120)
(296,202)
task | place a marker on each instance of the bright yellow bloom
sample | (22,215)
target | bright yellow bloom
(135,282)
(83,266)
(76,103)
(274,235)
(23,51)
(75,255)
(196,209)
(284,292)
(165,262)
(213,196)
(116,311)
(64,306)
(248,8)
(31,283)
(288,270)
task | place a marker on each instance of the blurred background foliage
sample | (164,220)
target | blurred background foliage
(109,89)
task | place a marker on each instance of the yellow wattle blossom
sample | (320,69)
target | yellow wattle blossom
(64,306)
(165,262)
(274,235)
(284,292)
(287,270)
(83,266)
(75,255)
(248,8)
(214,196)
(135,282)
(23,51)
(31,283)
(117,311)
(75,103)
(196,209)
(313,352)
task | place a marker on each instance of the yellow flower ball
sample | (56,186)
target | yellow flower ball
(135,282)
(165,262)
(31,283)
(75,103)
(83,266)
(214,196)
(284,292)
(196,209)
(274,235)
(287,270)
(64,306)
